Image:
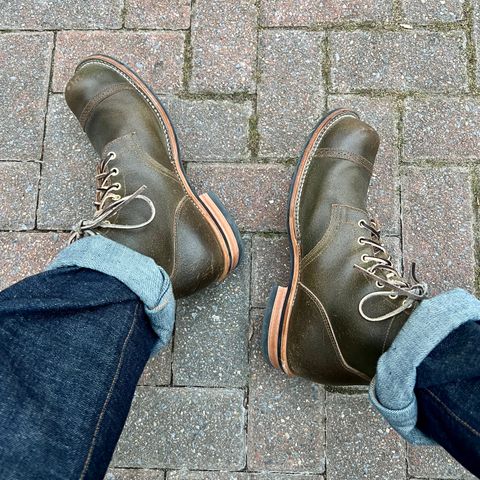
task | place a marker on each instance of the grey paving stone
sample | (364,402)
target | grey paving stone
(185,475)
(24,254)
(290,93)
(158,370)
(308,13)
(279,476)
(184,428)
(423,12)
(18,194)
(360,444)
(270,265)
(156,56)
(134,474)
(442,128)
(285,419)
(58,14)
(210,129)
(434,462)
(211,335)
(255,194)
(404,61)
(381,113)
(25,66)
(67,187)
(169,14)
(224,45)
(437,226)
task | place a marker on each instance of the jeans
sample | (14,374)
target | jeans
(73,344)
(448,395)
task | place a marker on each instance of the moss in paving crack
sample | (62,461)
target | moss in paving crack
(253,135)
(187,62)
(471,47)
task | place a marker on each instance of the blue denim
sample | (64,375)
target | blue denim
(139,273)
(73,344)
(448,395)
(392,390)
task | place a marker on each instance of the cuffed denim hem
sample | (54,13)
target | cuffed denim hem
(139,273)
(392,389)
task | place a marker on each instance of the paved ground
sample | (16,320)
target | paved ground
(244,81)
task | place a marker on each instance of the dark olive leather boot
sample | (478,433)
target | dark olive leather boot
(143,198)
(345,302)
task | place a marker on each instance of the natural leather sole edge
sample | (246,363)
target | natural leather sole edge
(230,248)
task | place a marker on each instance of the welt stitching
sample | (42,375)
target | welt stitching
(452,414)
(109,395)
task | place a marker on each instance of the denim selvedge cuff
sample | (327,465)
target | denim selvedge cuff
(392,389)
(139,273)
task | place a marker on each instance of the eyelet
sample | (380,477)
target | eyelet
(364,258)
(393,297)
(379,285)
(114,171)
(361,223)
(116,186)
(117,197)
(112,155)
(360,241)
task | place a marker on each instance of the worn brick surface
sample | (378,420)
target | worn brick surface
(158,370)
(24,254)
(25,65)
(360,444)
(211,130)
(423,12)
(57,14)
(309,13)
(434,462)
(437,216)
(18,194)
(256,195)
(211,339)
(67,187)
(185,475)
(270,264)
(286,430)
(380,113)
(184,427)
(156,56)
(134,474)
(169,14)
(290,90)
(442,129)
(224,40)
(410,60)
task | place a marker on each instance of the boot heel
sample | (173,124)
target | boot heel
(272,322)
(227,227)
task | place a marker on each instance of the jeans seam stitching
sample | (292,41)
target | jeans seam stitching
(109,395)
(453,414)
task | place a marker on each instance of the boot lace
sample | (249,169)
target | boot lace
(389,282)
(108,203)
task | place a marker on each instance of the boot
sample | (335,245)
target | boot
(346,302)
(143,198)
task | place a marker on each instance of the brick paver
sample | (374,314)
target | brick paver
(184,427)
(156,56)
(211,130)
(18,194)
(290,90)
(155,14)
(25,65)
(224,39)
(437,211)
(405,61)
(245,81)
